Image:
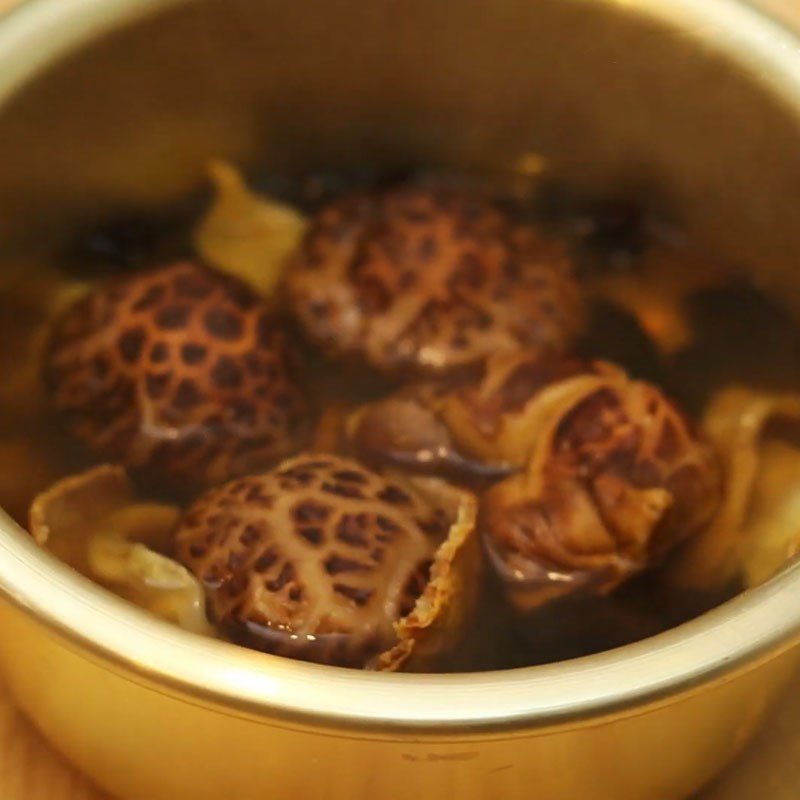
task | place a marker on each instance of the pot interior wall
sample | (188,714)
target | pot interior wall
(607,94)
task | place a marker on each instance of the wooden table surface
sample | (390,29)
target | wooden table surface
(31,770)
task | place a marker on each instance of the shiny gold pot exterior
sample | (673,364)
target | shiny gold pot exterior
(148,742)
(118,103)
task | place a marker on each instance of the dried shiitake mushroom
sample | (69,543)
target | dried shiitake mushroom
(614,478)
(179,373)
(429,281)
(325,560)
(608,473)
(470,428)
(405,430)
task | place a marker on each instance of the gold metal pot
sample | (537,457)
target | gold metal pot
(109,102)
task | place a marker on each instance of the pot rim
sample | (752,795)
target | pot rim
(752,626)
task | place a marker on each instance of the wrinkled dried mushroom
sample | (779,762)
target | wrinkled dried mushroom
(179,373)
(608,475)
(614,478)
(325,560)
(406,430)
(472,428)
(429,280)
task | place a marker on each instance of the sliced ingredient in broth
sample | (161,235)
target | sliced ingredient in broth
(95,523)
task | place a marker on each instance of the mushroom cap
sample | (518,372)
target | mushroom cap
(318,559)
(406,430)
(613,477)
(595,476)
(179,373)
(429,281)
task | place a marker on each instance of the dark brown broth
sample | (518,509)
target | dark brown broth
(739,335)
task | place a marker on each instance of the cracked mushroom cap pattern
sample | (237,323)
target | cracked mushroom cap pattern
(614,477)
(317,559)
(179,373)
(423,280)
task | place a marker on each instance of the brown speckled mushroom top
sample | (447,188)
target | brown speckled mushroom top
(596,475)
(429,280)
(316,559)
(613,476)
(179,373)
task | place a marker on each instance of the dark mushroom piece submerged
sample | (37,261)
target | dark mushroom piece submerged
(325,560)
(430,281)
(407,431)
(179,373)
(610,475)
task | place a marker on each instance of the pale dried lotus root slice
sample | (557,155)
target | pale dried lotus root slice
(430,281)
(757,529)
(246,235)
(771,535)
(321,558)
(94,522)
(611,474)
